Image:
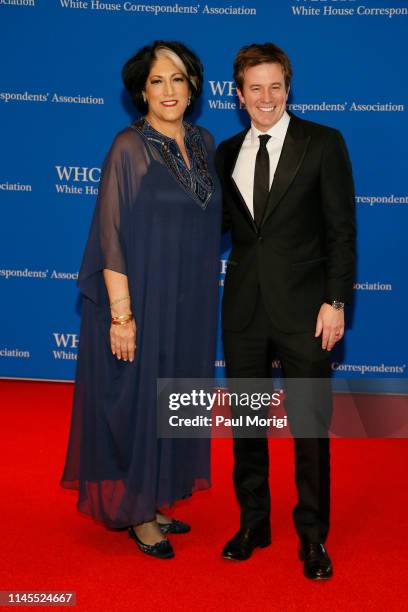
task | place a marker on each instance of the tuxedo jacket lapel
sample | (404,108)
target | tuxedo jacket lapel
(231,161)
(293,152)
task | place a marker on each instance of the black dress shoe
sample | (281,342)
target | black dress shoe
(316,561)
(174,526)
(242,545)
(161,550)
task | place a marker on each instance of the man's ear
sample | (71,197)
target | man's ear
(240,96)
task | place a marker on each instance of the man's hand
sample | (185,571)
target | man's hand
(331,322)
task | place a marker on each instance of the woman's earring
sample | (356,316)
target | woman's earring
(189,100)
(144,97)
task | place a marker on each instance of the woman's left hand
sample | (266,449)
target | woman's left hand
(123,340)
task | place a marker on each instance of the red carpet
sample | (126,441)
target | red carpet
(47,545)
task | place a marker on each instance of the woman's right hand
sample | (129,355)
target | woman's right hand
(123,340)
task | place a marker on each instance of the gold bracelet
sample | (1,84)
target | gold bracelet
(122,299)
(121,322)
(122,319)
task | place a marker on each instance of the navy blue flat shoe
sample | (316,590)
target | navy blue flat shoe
(160,550)
(174,527)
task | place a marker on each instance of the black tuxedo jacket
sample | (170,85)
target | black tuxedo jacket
(303,252)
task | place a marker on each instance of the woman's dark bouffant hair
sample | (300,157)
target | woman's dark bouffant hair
(137,69)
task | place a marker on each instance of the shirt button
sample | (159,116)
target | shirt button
(260,239)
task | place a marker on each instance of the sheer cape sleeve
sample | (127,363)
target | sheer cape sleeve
(107,245)
(208,140)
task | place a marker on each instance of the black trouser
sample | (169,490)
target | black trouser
(249,354)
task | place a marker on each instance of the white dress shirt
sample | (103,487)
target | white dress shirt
(244,170)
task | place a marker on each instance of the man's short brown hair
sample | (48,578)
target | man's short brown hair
(253,55)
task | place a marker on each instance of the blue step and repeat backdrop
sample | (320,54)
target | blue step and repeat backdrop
(62,101)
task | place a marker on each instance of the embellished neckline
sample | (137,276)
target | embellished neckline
(196,180)
(160,134)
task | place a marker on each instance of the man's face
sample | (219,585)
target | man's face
(264,94)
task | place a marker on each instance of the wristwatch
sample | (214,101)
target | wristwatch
(337,305)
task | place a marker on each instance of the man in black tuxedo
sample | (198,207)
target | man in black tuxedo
(289,203)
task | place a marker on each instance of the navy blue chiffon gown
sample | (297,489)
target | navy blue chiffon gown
(158,222)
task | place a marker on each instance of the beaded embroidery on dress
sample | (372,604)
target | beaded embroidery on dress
(197,180)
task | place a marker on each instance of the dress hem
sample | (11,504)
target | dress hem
(84,507)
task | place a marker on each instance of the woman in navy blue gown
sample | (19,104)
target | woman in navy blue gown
(149,284)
